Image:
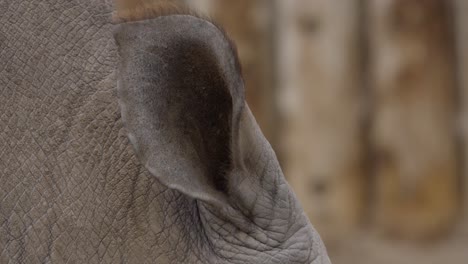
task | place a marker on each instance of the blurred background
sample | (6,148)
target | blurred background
(366,105)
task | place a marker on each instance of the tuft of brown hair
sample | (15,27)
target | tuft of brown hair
(135,10)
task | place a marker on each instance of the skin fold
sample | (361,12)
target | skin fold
(132,143)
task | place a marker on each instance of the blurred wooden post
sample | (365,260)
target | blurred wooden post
(413,133)
(321,104)
(249,23)
(461,14)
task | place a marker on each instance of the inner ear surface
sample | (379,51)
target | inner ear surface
(197,84)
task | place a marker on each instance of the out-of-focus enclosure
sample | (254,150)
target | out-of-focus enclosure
(366,105)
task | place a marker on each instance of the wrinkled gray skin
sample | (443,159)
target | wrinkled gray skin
(186,177)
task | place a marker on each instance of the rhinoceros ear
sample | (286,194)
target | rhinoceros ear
(181,94)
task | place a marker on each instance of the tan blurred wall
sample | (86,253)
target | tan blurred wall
(413,85)
(461,14)
(321,101)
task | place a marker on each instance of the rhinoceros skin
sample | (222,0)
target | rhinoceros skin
(132,143)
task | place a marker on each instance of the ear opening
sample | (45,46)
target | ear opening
(181,95)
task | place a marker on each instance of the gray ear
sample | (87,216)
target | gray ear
(181,94)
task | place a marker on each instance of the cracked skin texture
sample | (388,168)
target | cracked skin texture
(72,189)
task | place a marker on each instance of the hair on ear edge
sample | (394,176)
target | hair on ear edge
(147,10)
